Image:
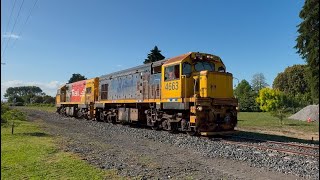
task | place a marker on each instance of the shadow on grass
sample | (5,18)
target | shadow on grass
(37,134)
(272,137)
(293,124)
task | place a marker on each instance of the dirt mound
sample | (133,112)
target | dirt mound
(311,111)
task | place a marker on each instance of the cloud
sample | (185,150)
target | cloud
(12,36)
(50,88)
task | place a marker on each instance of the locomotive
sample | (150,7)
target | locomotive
(191,92)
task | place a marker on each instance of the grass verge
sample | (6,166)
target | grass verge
(263,121)
(32,154)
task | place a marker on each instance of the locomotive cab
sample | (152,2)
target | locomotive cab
(200,84)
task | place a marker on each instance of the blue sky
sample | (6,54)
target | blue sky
(97,37)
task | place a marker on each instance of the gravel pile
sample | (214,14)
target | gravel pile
(305,167)
(311,111)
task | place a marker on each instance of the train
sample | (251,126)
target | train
(192,93)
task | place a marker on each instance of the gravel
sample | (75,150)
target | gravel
(311,111)
(145,153)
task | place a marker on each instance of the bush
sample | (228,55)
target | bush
(11,115)
(4,108)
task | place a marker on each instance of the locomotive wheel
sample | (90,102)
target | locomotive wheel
(192,132)
(86,116)
(97,116)
(102,117)
(155,126)
(79,114)
(166,125)
(109,119)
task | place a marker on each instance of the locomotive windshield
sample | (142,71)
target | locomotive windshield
(204,65)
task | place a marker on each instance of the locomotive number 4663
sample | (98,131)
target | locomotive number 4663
(172,86)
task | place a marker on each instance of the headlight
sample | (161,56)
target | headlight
(199,108)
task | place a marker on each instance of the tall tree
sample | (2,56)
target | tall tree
(292,81)
(76,77)
(154,56)
(308,43)
(23,92)
(258,82)
(246,97)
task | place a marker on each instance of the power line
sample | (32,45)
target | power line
(14,4)
(15,22)
(25,23)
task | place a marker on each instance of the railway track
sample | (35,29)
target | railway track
(290,148)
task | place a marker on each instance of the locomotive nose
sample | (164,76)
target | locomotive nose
(215,85)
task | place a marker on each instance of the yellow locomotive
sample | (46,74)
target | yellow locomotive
(191,92)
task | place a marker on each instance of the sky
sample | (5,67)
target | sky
(97,37)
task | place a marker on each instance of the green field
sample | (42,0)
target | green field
(32,154)
(263,120)
(266,126)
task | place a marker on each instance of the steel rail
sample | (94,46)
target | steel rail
(275,142)
(270,148)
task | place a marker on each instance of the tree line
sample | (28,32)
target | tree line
(292,81)
(27,95)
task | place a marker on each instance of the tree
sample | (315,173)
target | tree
(23,92)
(76,77)
(49,99)
(273,101)
(154,56)
(27,94)
(37,99)
(16,99)
(246,97)
(292,81)
(308,43)
(258,82)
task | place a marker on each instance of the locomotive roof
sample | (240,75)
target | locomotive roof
(178,58)
(147,67)
(136,69)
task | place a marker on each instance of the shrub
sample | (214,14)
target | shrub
(12,115)
(4,108)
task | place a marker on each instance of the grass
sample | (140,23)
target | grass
(265,122)
(32,154)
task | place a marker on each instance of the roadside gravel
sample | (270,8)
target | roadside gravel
(148,154)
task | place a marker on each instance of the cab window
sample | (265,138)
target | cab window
(186,69)
(221,69)
(104,91)
(88,90)
(204,65)
(172,73)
